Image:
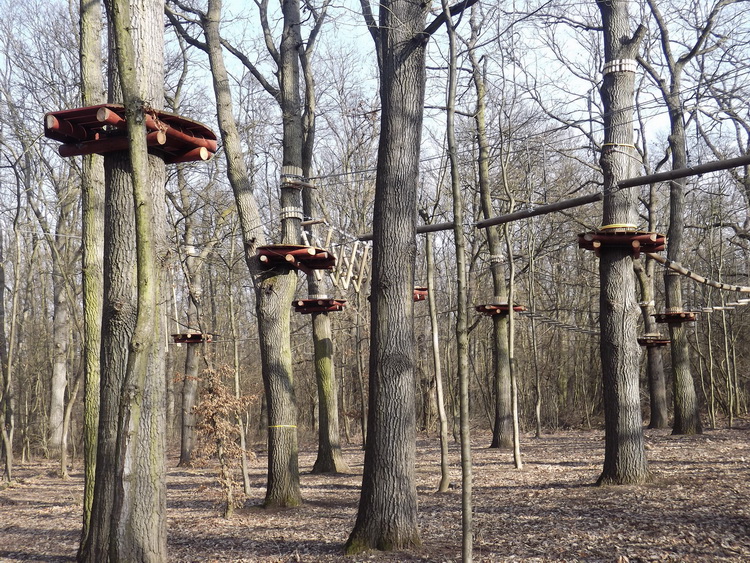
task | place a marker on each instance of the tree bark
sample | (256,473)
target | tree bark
(387,515)
(189,397)
(462,296)
(330,458)
(194,261)
(139,507)
(274,288)
(128,516)
(654,365)
(624,455)
(686,412)
(192,354)
(502,428)
(440,399)
(118,322)
(7,353)
(92,201)
(59,381)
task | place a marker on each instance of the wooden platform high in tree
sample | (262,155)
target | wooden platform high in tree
(622,237)
(102,129)
(305,258)
(653,340)
(319,305)
(498,309)
(674,317)
(192,338)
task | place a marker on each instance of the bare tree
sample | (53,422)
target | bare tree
(387,513)
(624,452)
(92,201)
(686,408)
(502,429)
(128,519)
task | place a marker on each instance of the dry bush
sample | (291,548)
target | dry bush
(218,432)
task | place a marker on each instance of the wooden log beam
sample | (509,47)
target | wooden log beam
(111,144)
(65,127)
(713,166)
(106,115)
(199,153)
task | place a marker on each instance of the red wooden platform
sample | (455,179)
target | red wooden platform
(192,338)
(493,309)
(636,241)
(323,305)
(420,293)
(305,258)
(674,317)
(653,340)
(102,129)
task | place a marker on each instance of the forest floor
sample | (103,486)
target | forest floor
(696,507)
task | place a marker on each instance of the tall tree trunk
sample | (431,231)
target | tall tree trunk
(273,289)
(512,334)
(194,261)
(139,507)
(7,349)
(330,458)
(654,366)
(360,367)
(686,412)
(59,382)
(189,397)
(624,455)
(92,201)
(118,322)
(128,518)
(502,428)
(241,418)
(387,515)
(435,329)
(462,296)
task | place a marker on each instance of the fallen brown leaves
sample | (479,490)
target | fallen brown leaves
(697,507)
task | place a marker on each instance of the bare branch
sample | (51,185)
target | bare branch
(248,64)
(181,31)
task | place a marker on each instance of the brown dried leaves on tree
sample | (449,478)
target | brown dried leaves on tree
(218,432)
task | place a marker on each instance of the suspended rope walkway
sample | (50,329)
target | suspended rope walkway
(680,269)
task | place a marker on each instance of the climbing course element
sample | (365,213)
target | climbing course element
(321,304)
(305,258)
(351,255)
(498,309)
(653,340)
(674,317)
(352,265)
(557,323)
(192,338)
(622,236)
(680,269)
(102,129)
(295,181)
(420,293)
